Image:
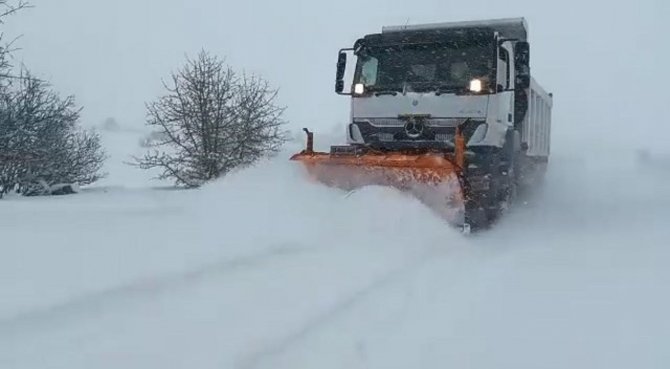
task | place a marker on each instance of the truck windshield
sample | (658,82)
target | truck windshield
(423,67)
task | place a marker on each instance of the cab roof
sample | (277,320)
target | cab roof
(507,27)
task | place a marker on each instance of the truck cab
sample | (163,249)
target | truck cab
(412,87)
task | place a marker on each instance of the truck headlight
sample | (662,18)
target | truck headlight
(476,85)
(359,89)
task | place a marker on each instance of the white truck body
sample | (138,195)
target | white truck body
(495,110)
(446,111)
(537,123)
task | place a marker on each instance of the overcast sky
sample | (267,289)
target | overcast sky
(605,61)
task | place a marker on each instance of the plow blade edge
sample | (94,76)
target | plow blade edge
(434,179)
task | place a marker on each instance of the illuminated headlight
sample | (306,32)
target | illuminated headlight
(359,89)
(476,85)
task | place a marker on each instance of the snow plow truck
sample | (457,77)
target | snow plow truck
(448,112)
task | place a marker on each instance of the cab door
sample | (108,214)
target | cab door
(505,84)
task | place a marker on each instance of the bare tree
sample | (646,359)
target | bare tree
(211,121)
(7,167)
(42,146)
(7,8)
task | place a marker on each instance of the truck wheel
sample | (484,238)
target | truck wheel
(509,191)
(506,182)
(486,205)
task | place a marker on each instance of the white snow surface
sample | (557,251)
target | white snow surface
(264,269)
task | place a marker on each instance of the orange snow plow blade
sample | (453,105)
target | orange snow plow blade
(433,178)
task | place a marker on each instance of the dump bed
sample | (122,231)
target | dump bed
(536,130)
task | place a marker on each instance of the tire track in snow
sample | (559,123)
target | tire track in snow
(97,302)
(274,349)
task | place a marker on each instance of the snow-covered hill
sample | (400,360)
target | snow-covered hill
(267,270)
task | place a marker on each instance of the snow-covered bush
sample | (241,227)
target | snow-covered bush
(151,138)
(42,147)
(212,120)
(111,125)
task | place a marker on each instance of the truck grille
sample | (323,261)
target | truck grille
(385,122)
(396,122)
(387,137)
(445,137)
(438,135)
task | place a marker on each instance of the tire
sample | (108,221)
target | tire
(501,165)
(504,166)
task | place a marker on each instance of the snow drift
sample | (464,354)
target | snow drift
(266,269)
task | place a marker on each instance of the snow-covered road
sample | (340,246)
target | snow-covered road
(266,270)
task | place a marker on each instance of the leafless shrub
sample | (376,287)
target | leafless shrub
(111,125)
(41,144)
(7,8)
(212,120)
(42,150)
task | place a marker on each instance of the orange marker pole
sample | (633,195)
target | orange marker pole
(459,142)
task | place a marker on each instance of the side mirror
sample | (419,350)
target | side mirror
(522,53)
(522,64)
(523,81)
(341,68)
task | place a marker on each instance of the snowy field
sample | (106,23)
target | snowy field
(266,270)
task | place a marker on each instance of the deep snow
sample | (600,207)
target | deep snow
(267,270)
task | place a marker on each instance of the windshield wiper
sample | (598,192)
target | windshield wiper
(446,89)
(386,92)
